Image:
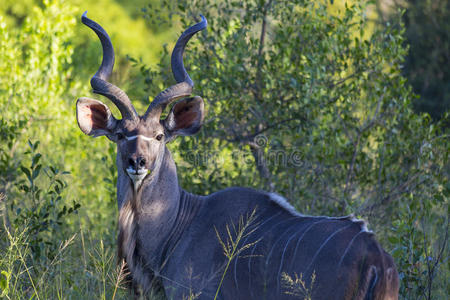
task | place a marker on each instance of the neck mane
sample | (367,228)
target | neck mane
(152,218)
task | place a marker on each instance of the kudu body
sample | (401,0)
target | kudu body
(171,238)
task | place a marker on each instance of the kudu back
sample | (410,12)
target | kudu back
(174,240)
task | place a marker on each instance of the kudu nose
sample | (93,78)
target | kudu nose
(138,163)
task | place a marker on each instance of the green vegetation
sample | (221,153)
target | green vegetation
(427,33)
(304,99)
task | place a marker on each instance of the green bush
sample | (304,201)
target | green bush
(42,218)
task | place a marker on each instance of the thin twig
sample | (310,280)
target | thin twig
(433,269)
(3,208)
(396,191)
(22,259)
(350,169)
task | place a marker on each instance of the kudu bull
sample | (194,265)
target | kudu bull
(168,237)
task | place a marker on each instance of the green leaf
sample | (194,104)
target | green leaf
(35,160)
(27,172)
(4,281)
(36,171)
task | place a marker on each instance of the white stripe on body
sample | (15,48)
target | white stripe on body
(282,258)
(323,245)
(251,255)
(348,248)
(276,242)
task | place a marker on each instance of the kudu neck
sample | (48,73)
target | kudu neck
(162,184)
(148,215)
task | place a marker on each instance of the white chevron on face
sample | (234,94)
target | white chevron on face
(130,138)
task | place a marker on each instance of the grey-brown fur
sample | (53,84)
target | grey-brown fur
(168,237)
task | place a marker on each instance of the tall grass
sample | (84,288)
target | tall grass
(297,286)
(231,245)
(84,267)
(80,269)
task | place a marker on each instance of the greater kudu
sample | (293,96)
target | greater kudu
(171,238)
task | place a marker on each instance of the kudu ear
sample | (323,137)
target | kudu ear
(94,118)
(185,117)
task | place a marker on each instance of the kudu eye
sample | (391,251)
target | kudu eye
(159,137)
(120,136)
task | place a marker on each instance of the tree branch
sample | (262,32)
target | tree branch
(3,207)
(258,79)
(395,192)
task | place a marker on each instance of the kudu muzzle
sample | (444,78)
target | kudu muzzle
(137,169)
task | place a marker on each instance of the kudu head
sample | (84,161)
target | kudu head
(141,139)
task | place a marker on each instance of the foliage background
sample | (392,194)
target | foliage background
(308,99)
